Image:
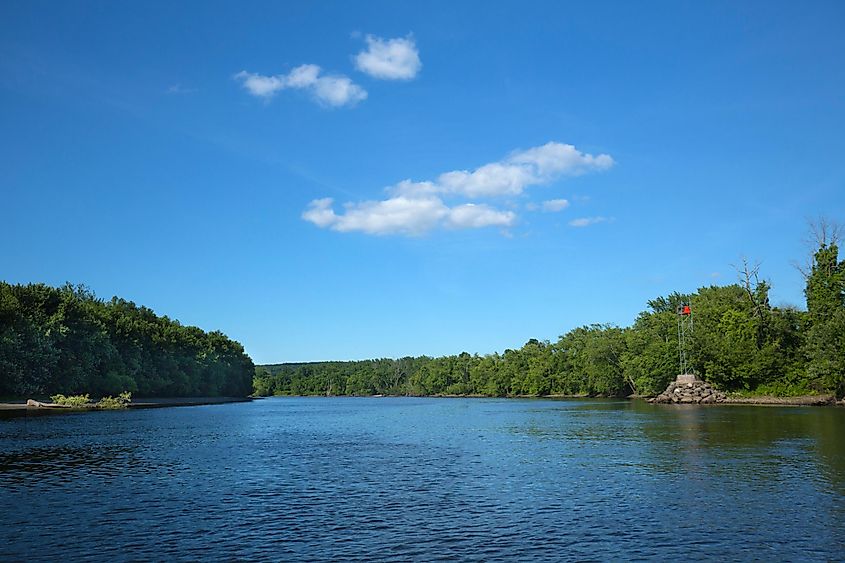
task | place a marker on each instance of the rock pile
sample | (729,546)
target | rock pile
(689,389)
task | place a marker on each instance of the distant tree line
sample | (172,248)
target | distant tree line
(66,340)
(740,342)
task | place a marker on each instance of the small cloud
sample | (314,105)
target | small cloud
(397,215)
(261,86)
(414,207)
(715,275)
(328,90)
(405,216)
(555,205)
(512,175)
(489,180)
(389,59)
(320,212)
(587,221)
(179,89)
(474,216)
(338,91)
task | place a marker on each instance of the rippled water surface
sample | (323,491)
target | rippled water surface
(418,479)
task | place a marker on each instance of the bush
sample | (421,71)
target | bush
(75,401)
(120,402)
(786,389)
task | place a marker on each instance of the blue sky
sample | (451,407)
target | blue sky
(377,179)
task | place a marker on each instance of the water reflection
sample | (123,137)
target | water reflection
(752,439)
(685,440)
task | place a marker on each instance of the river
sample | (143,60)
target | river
(366,479)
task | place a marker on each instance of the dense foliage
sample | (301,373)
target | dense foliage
(65,340)
(739,342)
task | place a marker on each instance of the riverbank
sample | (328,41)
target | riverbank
(801,401)
(21,408)
(762,400)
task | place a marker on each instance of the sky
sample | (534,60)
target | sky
(349,180)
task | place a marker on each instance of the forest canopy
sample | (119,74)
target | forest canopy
(66,340)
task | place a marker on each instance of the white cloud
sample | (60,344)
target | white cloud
(414,208)
(398,215)
(338,91)
(261,86)
(587,221)
(474,216)
(389,59)
(555,205)
(320,212)
(553,159)
(405,216)
(512,175)
(303,76)
(329,90)
(494,179)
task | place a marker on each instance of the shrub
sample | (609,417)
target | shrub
(75,401)
(120,402)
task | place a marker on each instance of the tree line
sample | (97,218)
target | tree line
(66,340)
(739,342)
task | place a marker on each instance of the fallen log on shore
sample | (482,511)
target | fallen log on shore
(32,403)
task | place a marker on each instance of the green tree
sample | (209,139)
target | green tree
(65,340)
(825,292)
(651,358)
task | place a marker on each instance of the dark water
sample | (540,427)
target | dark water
(419,479)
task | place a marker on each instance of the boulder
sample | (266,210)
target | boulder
(689,389)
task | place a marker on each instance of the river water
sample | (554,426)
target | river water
(403,479)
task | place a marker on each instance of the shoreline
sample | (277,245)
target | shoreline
(799,401)
(762,400)
(16,409)
(19,409)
